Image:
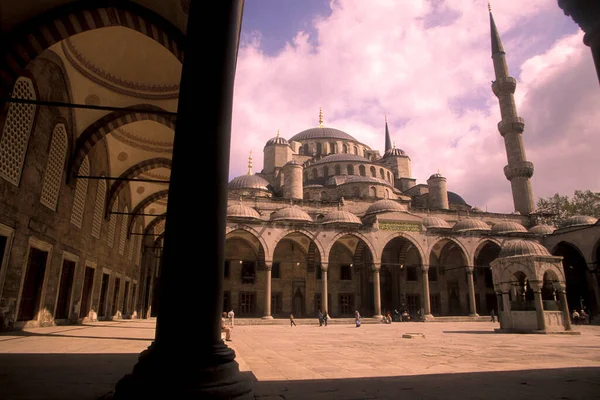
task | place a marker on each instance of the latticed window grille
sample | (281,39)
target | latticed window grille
(132,241)
(99,209)
(138,255)
(55,167)
(80,194)
(159,227)
(124,222)
(16,132)
(112,224)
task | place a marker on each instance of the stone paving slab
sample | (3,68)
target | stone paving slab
(454,360)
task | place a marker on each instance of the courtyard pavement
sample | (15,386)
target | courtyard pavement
(454,360)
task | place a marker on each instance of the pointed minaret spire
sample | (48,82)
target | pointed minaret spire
(320,117)
(518,171)
(250,163)
(496,42)
(388,139)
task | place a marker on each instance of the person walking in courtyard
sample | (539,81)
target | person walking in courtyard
(325,317)
(292,323)
(357,318)
(225,328)
(230,315)
(493,315)
(320,315)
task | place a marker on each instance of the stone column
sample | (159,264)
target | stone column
(426,297)
(188,359)
(539,309)
(506,322)
(472,305)
(377,293)
(498,304)
(324,296)
(268,269)
(562,297)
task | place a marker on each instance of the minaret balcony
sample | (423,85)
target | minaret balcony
(504,85)
(511,125)
(523,169)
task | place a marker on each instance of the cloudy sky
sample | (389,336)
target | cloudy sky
(427,65)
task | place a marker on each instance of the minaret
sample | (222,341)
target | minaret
(388,139)
(250,163)
(519,170)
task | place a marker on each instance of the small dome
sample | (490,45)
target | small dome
(436,176)
(470,224)
(453,198)
(504,227)
(542,229)
(291,214)
(242,211)
(577,220)
(431,222)
(341,217)
(313,186)
(322,133)
(277,140)
(394,152)
(292,162)
(249,182)
(523,248)
(385,205)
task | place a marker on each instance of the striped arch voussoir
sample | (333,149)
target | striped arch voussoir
(142,205)
(108,123)
(131,173)
(154,222)
(30,39)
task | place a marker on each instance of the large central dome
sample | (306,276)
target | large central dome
(322,133)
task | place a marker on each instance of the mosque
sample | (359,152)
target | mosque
(329,223)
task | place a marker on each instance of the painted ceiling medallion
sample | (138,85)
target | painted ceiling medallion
(141,190)
(185,6)
(122,156)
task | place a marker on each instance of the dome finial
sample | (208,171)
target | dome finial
(320,117)
(489,6)
(438,172)
(277,132)
(394,145)
(250,163)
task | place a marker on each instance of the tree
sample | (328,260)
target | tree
(554,210)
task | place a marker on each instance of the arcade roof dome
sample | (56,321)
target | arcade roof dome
(242,211)
(470,224)
(385,205)
(523,248)
(341,217)
(291,214)
(322,133)
(542,229)
(578,220)
(249,182)
(431,222)
(504,227)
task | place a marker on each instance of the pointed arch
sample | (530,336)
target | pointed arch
(422,255)
(310,235)
(358,235)
(108,123)
(161,194)
(154,223)
(465,253)
(131,173)
(254,233)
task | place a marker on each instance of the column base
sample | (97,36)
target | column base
(378,316)
(474,315)
(165,374)
(428,318)
(267,317)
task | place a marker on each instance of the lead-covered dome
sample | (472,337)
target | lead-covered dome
(431,222)
(504,227)
(523,247)
(394,152)
(242,211)
(341,217)
(542,229)
(469,225)
(322,133)
(277,140)
(453,198)
(385,205)
(291,214)
(249,182)
(578,220)
(343,157)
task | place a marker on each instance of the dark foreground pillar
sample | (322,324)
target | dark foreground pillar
(188,359)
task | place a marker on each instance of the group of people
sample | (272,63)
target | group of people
(323,317)
(581,317)
(227,324)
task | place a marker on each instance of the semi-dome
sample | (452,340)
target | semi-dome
(577,220)
(367,179)
(453,198)
(322,133)
(291,214)
(470,224)
(394,152)
(242,211)
(431,222)
(342,157)
(523,247)
(436,176)
(249,182)
(504,227)
(542,229)
(385,205)
(341,217)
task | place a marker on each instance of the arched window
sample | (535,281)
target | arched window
(16,132)
(132,244)
(350,170)
(315,173)
(373,191)
(305,176)
(324,196)
(338,170)
(356,150)
(373,172)
(301,150)
(55,167)
(319,149)
(124,221)
(112,224)
(356,191)
(99,208)
(307,196)
(381,173)
(389,177)
(80,194)
(138,247)
(332,148)
(386,194)
(345,148)
(362,170)
(305,147)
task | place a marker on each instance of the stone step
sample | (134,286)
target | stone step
(339,321)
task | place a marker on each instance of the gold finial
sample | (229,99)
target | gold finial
(320,117)
(250,163)
(385,116)
(277,132)
(394,144)
(439,171)
(489,6)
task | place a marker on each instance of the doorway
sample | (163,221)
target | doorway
(103,294)
(65,289)
(453,298)
(32,287)
(86,295)
(115,305)
(298,300)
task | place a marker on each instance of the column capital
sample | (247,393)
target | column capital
(425,268)
(268,264)
(470,269)
(376,267)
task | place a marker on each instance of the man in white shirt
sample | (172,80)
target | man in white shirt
(230,315)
